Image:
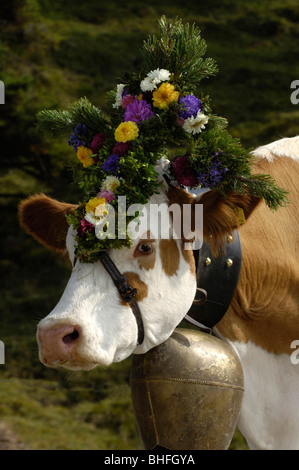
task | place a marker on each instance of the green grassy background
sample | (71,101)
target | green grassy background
(51,53)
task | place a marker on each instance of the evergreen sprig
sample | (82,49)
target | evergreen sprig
(181,49)
(92,116)
(220,161)
(54,122)
(62,122)
(262,186)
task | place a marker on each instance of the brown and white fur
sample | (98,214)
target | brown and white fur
(91,325)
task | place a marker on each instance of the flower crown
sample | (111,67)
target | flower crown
(155,114)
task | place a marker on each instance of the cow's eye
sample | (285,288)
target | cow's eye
(144,248)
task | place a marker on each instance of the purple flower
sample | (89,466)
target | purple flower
(190,105)
(78,137)
(214,174)
(138,111)
(81,129)
(111,164)
(74,141)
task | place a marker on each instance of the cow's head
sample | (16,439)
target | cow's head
(91,325)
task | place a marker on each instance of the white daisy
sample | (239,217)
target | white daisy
(194,125)
(110,183)
(90,217)
(153,78)
(118,97)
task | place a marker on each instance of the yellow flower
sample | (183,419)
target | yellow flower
(93,203)
(165,95)
(83,154)
(126,131)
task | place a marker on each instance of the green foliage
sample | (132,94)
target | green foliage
(179,48)
(140,184)
(62,122)
(238,164)
(44,415)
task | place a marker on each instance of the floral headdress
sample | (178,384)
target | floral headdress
(154,114)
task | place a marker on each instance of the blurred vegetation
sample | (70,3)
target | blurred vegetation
(51,53)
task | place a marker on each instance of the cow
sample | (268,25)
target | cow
(92,325)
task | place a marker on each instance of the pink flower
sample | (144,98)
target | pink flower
(97,142)
(128,99)
(180,121)
(183,172)
(108,195)
(85,227)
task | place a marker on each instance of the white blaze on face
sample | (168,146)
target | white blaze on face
(90,302)
(106,329)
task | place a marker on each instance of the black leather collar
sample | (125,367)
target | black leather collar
(127,292)
(218,277)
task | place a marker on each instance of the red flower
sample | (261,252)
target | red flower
(183,172)
(121,148)
(97,142)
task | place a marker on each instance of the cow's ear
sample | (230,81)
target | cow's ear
(221,213)
(44,219)
(224,213)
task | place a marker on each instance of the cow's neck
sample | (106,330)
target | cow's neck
(264,309)
(261,324)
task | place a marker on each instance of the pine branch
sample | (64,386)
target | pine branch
(179,49)
(61,122)
(217,121)
(54,122)
(264,186)
(83,111)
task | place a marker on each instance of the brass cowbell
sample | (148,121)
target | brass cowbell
(187,392)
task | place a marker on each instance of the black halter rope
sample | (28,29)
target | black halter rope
(127,293)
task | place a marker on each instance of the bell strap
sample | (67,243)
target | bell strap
(217,279)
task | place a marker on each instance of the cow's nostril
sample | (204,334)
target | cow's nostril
(71,337)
